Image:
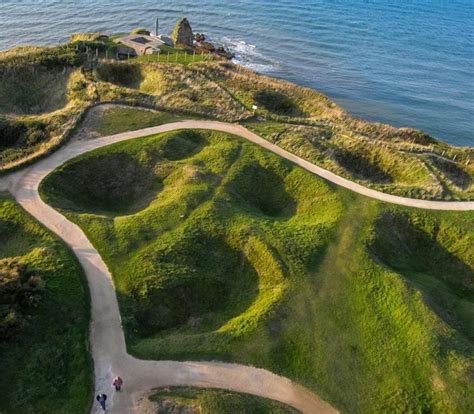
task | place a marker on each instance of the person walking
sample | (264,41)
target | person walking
(117,383)
(101,399)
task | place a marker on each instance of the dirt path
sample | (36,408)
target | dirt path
(107,338)
(79,147)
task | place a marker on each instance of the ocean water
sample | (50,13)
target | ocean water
(406,63)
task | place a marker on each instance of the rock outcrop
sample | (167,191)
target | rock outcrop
(182,34)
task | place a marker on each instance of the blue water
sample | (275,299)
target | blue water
(407,63)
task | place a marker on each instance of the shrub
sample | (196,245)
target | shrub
(141,31)
(36,135)
(85,37)
(10,132)
(19,292)
(50,57)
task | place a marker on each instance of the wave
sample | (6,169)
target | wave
(248,55)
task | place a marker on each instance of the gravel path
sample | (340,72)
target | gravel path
(107,338)
(79,147)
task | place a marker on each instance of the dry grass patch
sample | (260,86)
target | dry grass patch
(276,98)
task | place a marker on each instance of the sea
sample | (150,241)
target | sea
(406,62)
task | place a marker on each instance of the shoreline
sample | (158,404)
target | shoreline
(341,101)
(325,55)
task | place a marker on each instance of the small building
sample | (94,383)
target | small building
(141,44)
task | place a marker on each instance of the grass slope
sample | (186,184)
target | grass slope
(43,92)
(223,251)
(121,119)
(399,161)
(45,367)
(32,90)
(209,401)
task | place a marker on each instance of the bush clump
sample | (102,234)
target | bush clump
(20,292)
(19,133)
(141,31)
(85,37)
(10,132)
(49,57)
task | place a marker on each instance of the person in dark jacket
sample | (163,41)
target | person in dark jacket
(101,399)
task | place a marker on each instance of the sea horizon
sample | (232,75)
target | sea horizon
(404,65)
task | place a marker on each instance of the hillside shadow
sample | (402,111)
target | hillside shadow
(261,190)
(360,167)
(120,74)
(453,172)
(198,285)
(445,281)
(32,90)
(109,183)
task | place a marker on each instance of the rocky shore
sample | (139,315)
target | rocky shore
(183,36)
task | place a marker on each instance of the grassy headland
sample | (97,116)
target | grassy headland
(399,161)
(45,366)
(220,250)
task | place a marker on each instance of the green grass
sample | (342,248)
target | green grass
(32,90)
(383,166)
(172,55)
(45,367)
(234,254)
(42,94)
(210,401)
(50,87)
(116,120)
(182,89)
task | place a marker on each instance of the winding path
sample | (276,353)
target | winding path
(107,338)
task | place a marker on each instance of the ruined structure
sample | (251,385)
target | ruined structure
(182,34)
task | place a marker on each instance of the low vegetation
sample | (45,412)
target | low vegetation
(42,96)
(44,319)
(33,90)
(384,166)
(220,250)
(173,55)
(174,87)
(277,102)
(209,401)
(122,119)
(141,31)
(20,293)
(457,174)
(398,161)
